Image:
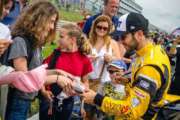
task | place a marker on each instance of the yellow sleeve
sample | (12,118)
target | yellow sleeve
(137,101)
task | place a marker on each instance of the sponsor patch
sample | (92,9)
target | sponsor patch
(144,84)
(139,94)
(135,102)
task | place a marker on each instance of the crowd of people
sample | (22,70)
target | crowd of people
(110,68)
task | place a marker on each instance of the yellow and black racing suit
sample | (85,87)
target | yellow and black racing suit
(151,74)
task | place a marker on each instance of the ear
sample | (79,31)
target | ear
(139,35)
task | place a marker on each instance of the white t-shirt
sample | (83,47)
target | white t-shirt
(5,32)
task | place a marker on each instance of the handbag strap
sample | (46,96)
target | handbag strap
(102,70)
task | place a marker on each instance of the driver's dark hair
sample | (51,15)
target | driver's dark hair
(145,32)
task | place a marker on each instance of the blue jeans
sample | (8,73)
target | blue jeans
(17,108)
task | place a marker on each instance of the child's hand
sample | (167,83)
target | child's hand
(121,80)
(107,58)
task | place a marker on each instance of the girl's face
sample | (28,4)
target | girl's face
(7,9)
(65,42)
(50,26)
(102,29)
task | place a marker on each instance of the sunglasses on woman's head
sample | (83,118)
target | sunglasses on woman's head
(102,28)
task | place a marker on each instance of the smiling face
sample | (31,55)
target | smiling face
(50,26)
(111,7)
(129,42)
(102,29)
(114,73)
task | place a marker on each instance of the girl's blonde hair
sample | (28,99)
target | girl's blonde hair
(83,44)
(93,35)
(34,19)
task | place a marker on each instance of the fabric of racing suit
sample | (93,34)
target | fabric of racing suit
(140,95)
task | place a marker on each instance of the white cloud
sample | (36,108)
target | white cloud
(162,13)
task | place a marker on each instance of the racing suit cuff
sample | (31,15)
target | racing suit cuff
(98,100)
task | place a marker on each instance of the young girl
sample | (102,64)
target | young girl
(73,48)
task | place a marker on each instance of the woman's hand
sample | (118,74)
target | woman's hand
(107,58)
(66,84)
(89,96)
(93,58)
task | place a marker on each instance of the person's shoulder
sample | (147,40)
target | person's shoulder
(2,26)
(113,42)
(115,18)
(92,18)
(4,31)
(19,39)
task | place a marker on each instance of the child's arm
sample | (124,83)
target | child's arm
(100,89)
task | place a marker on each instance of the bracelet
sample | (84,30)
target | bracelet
(57,78)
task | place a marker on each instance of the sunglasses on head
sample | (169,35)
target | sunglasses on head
(102,28)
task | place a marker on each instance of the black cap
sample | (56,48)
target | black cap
(132,22)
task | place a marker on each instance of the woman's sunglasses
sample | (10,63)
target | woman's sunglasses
(102,28)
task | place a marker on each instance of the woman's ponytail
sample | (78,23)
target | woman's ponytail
(84,45)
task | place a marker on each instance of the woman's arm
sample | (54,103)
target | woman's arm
(85,81)
(20,64)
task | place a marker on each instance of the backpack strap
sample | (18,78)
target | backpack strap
(52,64)
(55,56)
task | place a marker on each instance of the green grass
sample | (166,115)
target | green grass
(73,16)
(48,49)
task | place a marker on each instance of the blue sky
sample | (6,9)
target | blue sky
(162,13)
